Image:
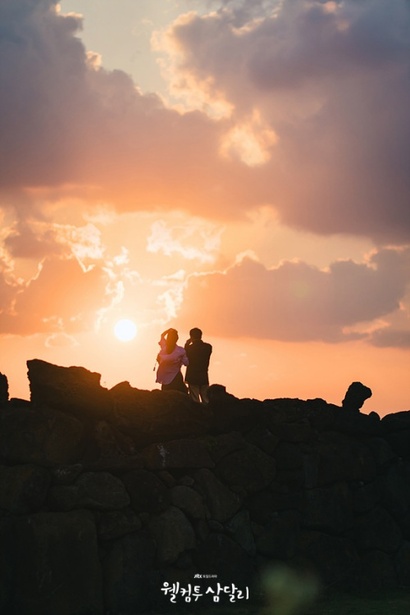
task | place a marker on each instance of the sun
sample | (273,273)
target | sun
(125,330)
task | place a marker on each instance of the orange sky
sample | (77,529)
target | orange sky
(228,165)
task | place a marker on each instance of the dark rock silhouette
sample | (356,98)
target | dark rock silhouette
(4,390)
(107,494)
(356,395)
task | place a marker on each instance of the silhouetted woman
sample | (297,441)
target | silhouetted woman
(171,358)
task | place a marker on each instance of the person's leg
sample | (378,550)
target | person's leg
(204,393)
(194,392)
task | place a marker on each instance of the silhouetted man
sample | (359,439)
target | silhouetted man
(196,376)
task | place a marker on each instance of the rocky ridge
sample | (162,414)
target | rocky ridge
(105,495)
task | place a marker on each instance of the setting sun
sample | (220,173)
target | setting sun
(125,330)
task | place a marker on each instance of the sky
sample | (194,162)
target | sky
(241,166)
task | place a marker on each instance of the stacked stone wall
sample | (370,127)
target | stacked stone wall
(105,495)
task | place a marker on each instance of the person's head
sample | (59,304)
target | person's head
(172,338)
(195,334)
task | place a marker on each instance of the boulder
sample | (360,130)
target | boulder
(334,559)
(221,445)
(248,469)
(365,496)
(4,390)
(93,490)
(185,453)
(55,565)
(23,488)
(356,395)
(147,492)
(376,530)
(157,416)
(402,564)
(239,528)
(279,538)
(377,570)
(339,458)
(328,509)
(221,502)
(73,390)
(189,501)
(117,523)
(222,556)
(172,533)
(42,436)
(128,567)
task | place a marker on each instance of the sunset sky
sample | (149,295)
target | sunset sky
(242,166)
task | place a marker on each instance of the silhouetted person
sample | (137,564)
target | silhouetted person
(171,358)
(199,354)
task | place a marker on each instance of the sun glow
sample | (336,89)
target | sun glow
(125,330)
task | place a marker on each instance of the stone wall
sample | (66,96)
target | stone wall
(107,494)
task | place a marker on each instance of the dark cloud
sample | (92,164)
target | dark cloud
(295,301)
(332,80)
(391,338)
(70,128)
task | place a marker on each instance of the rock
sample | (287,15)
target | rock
(279,539)
(117,523)
(395,494)
(288,456)
(73,390)
(23,488)
(128,568)
(66,475)
(399,442)
(189,501)
(110,443)
(147,492)
(334,559)
(248,469)
(185,453)
(221,445)
(239,528)
(340,458)
(263,438)
(402,565)
(93,490)
(377,570)
(365,496)
(55,563)
(356,395)
(222,556)
(377,531)
(6,567)
(4,390)
(172,533)
(157,416)
(328,509)
(101,491)
(43,436)
(221,502)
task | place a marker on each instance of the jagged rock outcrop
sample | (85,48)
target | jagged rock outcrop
(4,390)
(107,494)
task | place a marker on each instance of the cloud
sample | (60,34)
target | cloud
(70,128)
(296,301)
(192,239)
(61,297)
(315,119)
(331,81)
(391,338)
